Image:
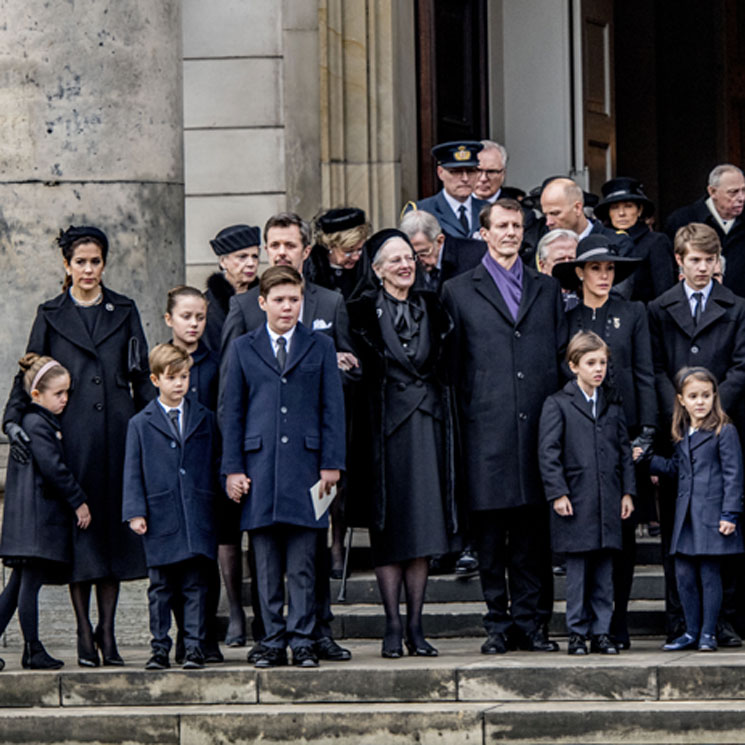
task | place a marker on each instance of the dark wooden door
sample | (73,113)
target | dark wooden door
(598,91)
(734,80)
(452,76)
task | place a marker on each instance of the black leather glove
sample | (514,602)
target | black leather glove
(644,440)
(19,440)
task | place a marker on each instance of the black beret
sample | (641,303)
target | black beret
(342,218)
(235,238)
(374,242)
(66,238)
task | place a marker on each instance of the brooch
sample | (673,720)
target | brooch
(58,435)
(616,322)
(378,312)
(109,307)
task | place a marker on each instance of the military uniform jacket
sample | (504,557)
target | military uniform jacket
(588,460)
(710,482)
(281,429)
(449,222)
(173,483)
(41,495)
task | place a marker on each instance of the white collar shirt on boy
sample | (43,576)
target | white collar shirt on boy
(590,399)
(705,292)
(287,335)
(179,408)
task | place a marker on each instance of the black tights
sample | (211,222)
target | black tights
(22,592)
(107,596)
(412,575)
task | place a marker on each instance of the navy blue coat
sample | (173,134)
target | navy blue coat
(204,376)
(40,496)
(710,482)
(281,429)
(450,224)
(588,460)
(172,484)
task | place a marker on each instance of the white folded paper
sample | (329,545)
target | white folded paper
(321,502)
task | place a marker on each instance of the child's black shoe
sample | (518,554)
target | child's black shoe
(602,644)
(577,645)
(158,661)
(35,657)
(194,659)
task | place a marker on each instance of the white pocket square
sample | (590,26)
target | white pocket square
(320,325)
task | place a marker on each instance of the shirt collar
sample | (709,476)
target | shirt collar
(179,408)
(593,398)
(586,231)
(493,198)
(706,291)
(725,225)
(287,335)
(455,205)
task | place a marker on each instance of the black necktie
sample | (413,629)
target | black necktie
(173,416)
(464,219)
(281,353)
(699,298)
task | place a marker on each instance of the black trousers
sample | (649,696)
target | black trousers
(324,616)
(185,583)
(514,565)
(286,550)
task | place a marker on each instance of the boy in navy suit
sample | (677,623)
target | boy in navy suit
(170,484)
(283,431)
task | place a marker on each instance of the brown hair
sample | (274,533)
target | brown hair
(279,275)
(168,357)
(697,237)
(506,204)
(68,253)
(288,220)
(31,363)
(716,418)
(182,291)
(582,343)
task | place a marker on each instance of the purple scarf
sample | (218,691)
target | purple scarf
(509,283)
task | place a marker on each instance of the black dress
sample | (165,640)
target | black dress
(413,513)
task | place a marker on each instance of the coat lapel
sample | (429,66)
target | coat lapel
(699,438)
(195,413)
(390,337)
(531,290)
(113,314)
(310,302)
(66,321)
(156,417)
(485,286)
(447,217)
(713,310)
(579,401)
(302,341)
(262,345)
(680,311)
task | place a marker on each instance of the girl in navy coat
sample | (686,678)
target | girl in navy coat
(585,460)
(40,497)
(708,464)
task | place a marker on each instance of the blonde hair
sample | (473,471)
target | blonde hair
(584,342)
(697,237)
(32,364)
(168,357)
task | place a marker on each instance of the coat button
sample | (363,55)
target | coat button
(419,383)
(98,407)
(694,349)
(523,416)
(194,389)
(284,439)
(283,379)
(517,334)
(96,380)
(520,375)
(182,471)
(401,386)
(283,409)
(173,444)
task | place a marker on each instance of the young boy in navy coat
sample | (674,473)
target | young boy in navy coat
(283,432)
(170,487)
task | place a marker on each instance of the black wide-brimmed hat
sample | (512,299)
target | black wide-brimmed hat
(596,247)
(623,189)
(461,154)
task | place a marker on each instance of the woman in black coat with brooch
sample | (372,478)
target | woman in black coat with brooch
(97,335)
(402,454)
(623,327)
(626,208)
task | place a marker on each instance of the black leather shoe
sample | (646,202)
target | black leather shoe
(391,648)
(271,657)
(495,644)
(158,661)
(707,643)
(87,656)
(35,657)
(194,659)
(684,641)
(422,649)
(602,644)
(304,657)
(727,636)
(327,649)
(113,658)
(538,641)
(467,563)
(559,570)
(577,645)
(255,652)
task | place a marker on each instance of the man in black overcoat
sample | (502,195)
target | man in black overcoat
(509,339)
(722,211)
(697,322)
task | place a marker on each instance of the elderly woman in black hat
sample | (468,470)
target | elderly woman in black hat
(336,260)
(96,334)
(625,208)
(402,455)
(237,251)
(622,324)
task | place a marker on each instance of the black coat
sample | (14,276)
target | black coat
(630,368)
(318,270)
(733,243)
(204,376)
(219,292)
(502,371)
(40,496)
(589,461)
(710,482)
(372,420)
(718,343)
(110,382)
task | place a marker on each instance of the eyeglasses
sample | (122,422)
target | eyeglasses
(490,172)
(425,253)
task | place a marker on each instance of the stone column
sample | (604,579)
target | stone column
(368,119)
(90,133)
